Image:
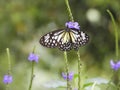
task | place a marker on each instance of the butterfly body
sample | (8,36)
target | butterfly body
(65,39)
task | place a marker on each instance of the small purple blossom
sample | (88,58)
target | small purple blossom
(115,65)
(71,25)
(70,77)
(7,79)
(33,57)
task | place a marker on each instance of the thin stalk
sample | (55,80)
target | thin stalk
(116,74)
(65,53)
(116,34)
(67,69)
(69,10)
(34,49)
(32,76)
(9,61)
(79,63)
(79,71)
(9,65)
(7,87)
(32,71)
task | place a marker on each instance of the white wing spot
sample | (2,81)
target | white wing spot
(53,41)
(83,35)
(50,40)
(78,39)
(46,37)
(48,43)
(53,37)
(52,44)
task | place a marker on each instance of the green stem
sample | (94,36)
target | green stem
(9,61)
(67,69)
(32,76)
(9,65)
(7,86)
(116,74)
(34,49)
(79,63)
(79,71)
(69,10)
(32,71)
(116,34)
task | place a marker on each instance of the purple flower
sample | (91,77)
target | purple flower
(33,57)
(70,77)
(71,25)
(115,65)
(7,79)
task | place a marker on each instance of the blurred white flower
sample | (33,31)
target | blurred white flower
(93,15)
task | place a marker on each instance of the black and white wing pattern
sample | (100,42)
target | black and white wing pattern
(79,38)
(64,39)
(51,39)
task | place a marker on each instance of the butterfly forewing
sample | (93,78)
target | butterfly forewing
(51,39)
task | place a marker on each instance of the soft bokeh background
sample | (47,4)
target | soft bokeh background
(23,22)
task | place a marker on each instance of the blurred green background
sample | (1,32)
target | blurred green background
(23,22)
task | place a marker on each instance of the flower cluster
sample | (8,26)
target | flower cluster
(33,57)
(115,65)
(7,79)
(73,25)
(70,77)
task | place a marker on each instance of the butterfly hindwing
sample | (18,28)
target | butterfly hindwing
(65,46)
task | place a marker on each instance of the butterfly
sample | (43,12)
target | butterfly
(64,39)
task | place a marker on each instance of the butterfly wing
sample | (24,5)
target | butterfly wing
(66,46)
(51,39)
(64,39)
(79,38)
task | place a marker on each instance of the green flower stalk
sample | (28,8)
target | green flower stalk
(79,62)
(116,73)
(69,11)
(65,53)
(116,34)
(79,70)
(67,70)
(33,58)
(32,76)
(9,61)
(8,78)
